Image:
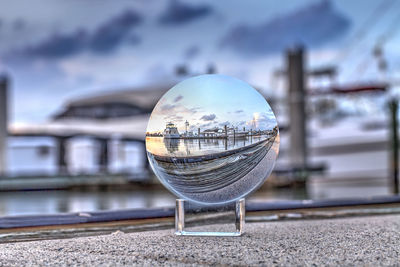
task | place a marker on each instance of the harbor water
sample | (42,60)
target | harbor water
(181,147)
(134,197)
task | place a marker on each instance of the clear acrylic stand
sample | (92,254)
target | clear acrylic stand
(240,211)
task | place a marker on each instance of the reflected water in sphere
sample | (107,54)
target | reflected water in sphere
(212,139)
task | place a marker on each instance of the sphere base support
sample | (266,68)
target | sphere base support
(239,220)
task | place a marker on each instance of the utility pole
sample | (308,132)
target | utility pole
(62,152)
(297,115)
(3,124)
(394,166)
(103,155)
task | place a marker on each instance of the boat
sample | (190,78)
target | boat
(171,131)
(353,146)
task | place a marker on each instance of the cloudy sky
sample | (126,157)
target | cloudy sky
(55,50)
(210,101)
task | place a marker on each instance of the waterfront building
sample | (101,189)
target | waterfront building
(100,133)
(171,131)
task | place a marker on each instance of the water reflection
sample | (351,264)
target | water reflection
(61,201)
(182,147)
(49,202)
(171,145)
(212,170)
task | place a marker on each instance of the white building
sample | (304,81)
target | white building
(102,133)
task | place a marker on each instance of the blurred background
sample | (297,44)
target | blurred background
(79,80)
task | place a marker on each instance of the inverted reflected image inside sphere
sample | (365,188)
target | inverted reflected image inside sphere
(212,139)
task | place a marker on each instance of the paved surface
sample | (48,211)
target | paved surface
(351,241)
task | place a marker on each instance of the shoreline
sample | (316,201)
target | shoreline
(211,156)
(209,137)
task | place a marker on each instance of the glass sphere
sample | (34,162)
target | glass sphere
(212,139)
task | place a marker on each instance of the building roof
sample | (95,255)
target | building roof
(145,97)
(131,128)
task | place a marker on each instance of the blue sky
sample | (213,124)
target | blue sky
(55,50)
(210,101)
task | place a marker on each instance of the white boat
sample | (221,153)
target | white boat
(171,131)
(351,141)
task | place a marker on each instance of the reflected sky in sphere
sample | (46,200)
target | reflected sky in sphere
(212,139)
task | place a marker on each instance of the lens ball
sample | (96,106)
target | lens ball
(212,139)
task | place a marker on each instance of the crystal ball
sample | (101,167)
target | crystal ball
(212,139)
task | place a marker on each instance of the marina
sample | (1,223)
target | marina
(183,147)
(121,132)
(171,132)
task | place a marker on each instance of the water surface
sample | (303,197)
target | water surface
(195,147)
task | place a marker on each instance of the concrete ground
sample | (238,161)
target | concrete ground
(348,241)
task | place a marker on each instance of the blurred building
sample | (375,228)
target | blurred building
(104,133)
